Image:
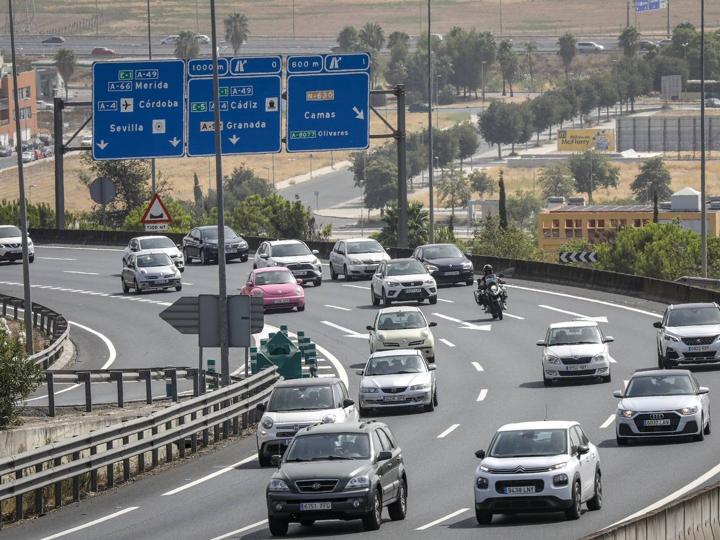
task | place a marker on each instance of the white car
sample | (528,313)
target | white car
(150,271)
(11,244)
(170,40)
(296,404)
(292,254)
(589,46)
(28,156)
(356,257)
(548,466)
(576,349)
(202,39)
(402,280)
(399,378)
(402,327)
(688,334)
(662,403)
(155,244)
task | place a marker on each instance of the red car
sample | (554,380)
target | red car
(102,51)
(277,286)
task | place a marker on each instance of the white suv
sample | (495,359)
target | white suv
(402,280)
(292,254)
(356,258)
(297,403)
(688,334)
(547,466)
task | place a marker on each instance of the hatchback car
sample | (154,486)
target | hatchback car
(589,46)
(202,243)
(53,40)
(356,258)
(399,378)
(156,244)
(28,156)
(450,264)
(662,403)
(297,403)
(688,334)
(338,471)
(548,466)
(293,255)
(576,349)
(402,280)
(170,40)
(402,327)
(11,244)
(102,51)
(277,286)
(150,271)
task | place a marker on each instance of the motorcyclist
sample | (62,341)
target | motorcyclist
(482,285)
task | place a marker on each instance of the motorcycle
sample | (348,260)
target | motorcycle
(493,297)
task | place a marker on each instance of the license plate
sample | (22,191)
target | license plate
(452,273)
(696,348)
(160,281)
(519,490)
(413,291)
(304,507)
(394,398)
(653,423)
(578,367)
(300,273)
(281,301)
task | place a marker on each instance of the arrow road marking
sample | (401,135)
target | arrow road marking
(234,139)
(442,519)
(465,325)
(578,315)
(102,144)
(607,422)
(348,333)
(359,113)
(175,141)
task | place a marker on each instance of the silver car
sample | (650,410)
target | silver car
(399,378)
(662,403)
(293,255)
(150,271)
(356,258)
(156,244)
(11,244)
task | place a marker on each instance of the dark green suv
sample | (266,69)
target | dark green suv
(338,471)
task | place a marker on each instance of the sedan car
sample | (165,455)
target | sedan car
(150,271)
(548,466)
(202,243)
(450,265)
(688,334)
(277,286)
(6,151)
(202,39)
(402,280)
(647,45)
(293,255)
(398,378)
(589,46)
(53,40)
(170,40)
(355,258)
(662,403)
(102,51)
(576,349)
(11,244)
(28,156)
(155,244)
(402,327)
(334,471)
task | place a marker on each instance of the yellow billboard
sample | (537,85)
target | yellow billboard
(579,140)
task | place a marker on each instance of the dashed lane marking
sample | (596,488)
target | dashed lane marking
(81,273)
(348,333)
(337,307)
(482,395)
(607,422)
(518,317)
(478,366)
(91,293)
(210,476)
(446,342)
(464,324)
(357,286)
(446,301)
(442,519)
(91,523)
(241,530)
(56,259)
(80,248)
(448,431)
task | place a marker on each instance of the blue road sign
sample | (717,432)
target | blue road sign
(649,5)
(250,106)
(328,102)
(138,109)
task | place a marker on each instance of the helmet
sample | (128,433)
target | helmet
(487,269)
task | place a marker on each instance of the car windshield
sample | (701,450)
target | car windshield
(212,234)
(441,252)
(153,259)
(577,335)
(529,443)
(301,398)
(328,447)
(694,316)
(660,385)
(290,250)
(405,268)
(9,232)
(393,365)
(401,320)
(366,246)
(274,277)
(156,243)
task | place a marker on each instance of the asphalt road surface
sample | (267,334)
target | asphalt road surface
(488,375)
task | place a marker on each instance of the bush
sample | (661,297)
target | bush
(511,243)
(19,377)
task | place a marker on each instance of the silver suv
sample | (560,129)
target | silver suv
(688,334)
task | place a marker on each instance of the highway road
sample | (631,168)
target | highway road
(488,375)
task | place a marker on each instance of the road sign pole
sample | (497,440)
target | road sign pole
(149,34)
(402,168)
(59,163)
(430,133)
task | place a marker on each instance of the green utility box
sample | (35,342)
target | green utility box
(280,351)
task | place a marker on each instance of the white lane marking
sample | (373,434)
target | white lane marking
(346,331)
(446,301)
(241,530)
(446,342)
(577,315)
(357,286)
(326,375)
(210,476)
(187,283)
(91,523)
(448,431)
(73,387)
(482,395)
(607,422)
(465,325)
(91,293)
(337,307)
(81,273)
(56,259)
(79,248)
(594,301)
(442,519)
(518,317)
(478,366)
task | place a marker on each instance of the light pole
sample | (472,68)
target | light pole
(149,34)
(703,194)
(437,100)
(430,133)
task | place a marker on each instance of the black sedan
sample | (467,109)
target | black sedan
(202,243)
(54,40)
(452,265)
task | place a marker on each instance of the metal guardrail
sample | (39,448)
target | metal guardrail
(67,462)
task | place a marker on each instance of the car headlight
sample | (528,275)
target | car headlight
(267,422)
(687,411)
(275,263)
(420,387)
(429,282)
(392,284)
(328,419)
(358,482)
(484,468)
(467,265)
(560,479)
(625,413)
(243,244)
(143,271)
(316,262)
(481,482)
(257,292)
(277,485)
(670,337)
(298,290)
(599,357)
(369,389)
(552,359)
(558,466)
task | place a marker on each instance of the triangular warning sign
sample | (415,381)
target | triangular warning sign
(156,212)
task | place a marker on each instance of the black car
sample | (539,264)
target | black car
(54,40)
(338,471)
(452,265)
(202,243)
(5,151)
(418,107)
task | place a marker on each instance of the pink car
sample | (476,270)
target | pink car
(277,286)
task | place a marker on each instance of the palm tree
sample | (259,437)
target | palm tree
(567,51)
(65,65)
(372,36)
(187,46)
(530,50)
(628,41)
(237,28)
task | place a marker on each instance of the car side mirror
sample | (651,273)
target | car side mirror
(608,339)
(432,367)
(275,460)
(582,449)
(501,275)
(703,390)
(657,324)
(384,455)
(348,403)
(540,343)
(315,252)
(480,454)
(432,324)
(369,328)
(298,281)
(260,407)
(360,372)
(263,255)
(618,394)
(134,248)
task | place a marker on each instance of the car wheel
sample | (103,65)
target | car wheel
(203,258)
(435,399)
(307,522)
(375,300)
(31,259)
(182,269)
(483,517)
(386,300)
(125,288)
(186,256)
(621,441)
(430,407)
(708,428)
(596,502)
(243,258)
(364,412)
(264,459)
(348,277)
(398,509)
(135,285)
(574,511)
(546,381)
(373,519)
(333,274)
(278,527)
(668,364)
(317,282)
(433,300)
(701,434)
(178,288)
(469,282)
(608,378)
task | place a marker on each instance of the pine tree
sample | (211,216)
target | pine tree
(502,203)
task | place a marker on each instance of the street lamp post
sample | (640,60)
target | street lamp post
(703,191)
(430,132)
